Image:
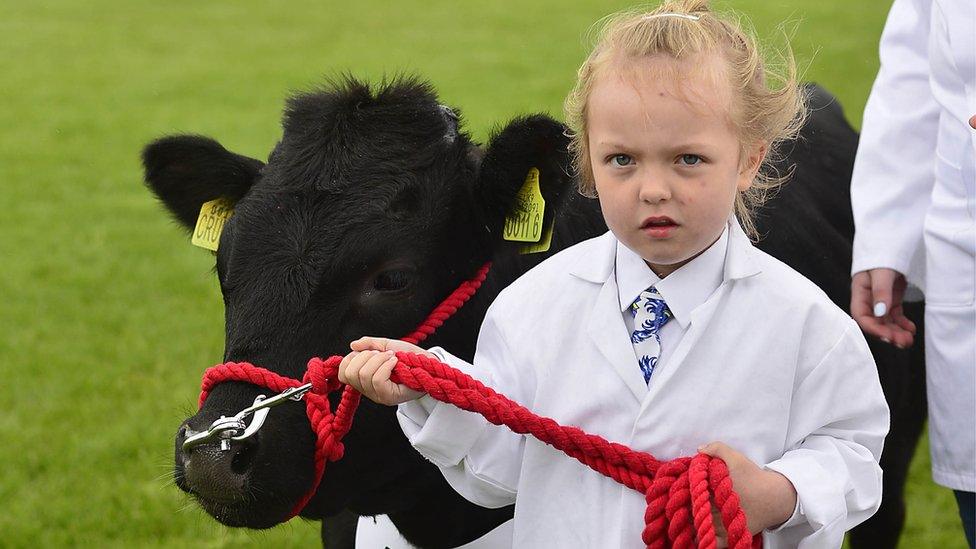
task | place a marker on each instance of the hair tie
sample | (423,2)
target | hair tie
(687,16)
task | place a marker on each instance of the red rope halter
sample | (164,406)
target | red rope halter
(677,492)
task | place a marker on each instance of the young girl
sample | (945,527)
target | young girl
(671,332)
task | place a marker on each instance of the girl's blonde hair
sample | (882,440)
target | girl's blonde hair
(768,106)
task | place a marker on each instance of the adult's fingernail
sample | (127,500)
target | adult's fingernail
(886,340)
(880,308)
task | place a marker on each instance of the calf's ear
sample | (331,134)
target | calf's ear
(184,171)
(535,141)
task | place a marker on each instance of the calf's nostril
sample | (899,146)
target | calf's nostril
(218,476)
(243,458)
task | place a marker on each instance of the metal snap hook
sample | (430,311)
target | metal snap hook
(227,429)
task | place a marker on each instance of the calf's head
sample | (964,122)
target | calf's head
(371,208)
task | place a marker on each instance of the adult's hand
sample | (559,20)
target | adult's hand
(876,305)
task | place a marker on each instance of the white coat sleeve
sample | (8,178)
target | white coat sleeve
(481,461)
(838,421)
(894,167)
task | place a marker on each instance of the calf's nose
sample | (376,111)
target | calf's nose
(213,474)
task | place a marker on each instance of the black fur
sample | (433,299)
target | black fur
(185,171)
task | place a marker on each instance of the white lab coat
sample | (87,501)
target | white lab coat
(768,365)
(914,199)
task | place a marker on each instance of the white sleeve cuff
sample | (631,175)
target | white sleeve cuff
(443,433)
(816,500)
(797,517)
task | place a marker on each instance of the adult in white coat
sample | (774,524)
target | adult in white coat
(914,198)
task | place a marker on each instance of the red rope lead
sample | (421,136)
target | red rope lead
(448,307)
(329,428)
(668,519)
(678,492)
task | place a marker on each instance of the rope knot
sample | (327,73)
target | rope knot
(336,452)
(323,374)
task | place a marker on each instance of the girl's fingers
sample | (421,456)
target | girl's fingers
(354,369)
(354,372)
(344,367)
(375,376)
(391,392)
(721,536)
(717,449)
(370,344)
(370,365)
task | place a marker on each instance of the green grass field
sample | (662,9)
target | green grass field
(108,316)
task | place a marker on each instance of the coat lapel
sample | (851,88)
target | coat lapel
(739,264)
(701,319)
(605,327)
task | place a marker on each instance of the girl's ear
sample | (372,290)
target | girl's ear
(752,161)
(184,171)
(535,141)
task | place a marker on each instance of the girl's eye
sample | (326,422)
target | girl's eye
(690,159)
(621,160)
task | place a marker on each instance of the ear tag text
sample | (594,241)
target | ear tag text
(524,224)
(213,216)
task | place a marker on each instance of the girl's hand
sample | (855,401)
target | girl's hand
(767,497)
(368,369)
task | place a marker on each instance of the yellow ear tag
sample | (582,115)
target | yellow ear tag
(542,245)
(524,224)
(213,216)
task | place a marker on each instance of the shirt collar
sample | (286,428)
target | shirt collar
(684,289)
(595,258)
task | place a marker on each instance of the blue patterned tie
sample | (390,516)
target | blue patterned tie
(650,313)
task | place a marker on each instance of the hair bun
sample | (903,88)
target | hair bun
(684,6)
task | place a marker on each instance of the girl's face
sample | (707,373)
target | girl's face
(666,160)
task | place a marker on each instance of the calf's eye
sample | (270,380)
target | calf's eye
(392,280)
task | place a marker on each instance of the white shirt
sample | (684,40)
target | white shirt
(683,290)
(767,365)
